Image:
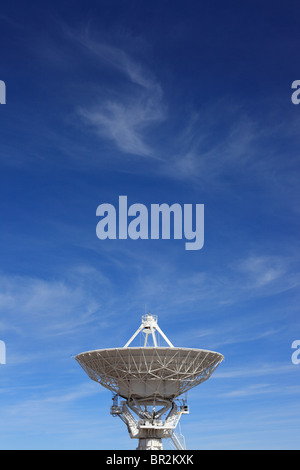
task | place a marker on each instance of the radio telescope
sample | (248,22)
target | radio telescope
(146,382)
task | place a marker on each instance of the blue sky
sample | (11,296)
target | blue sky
(186,102)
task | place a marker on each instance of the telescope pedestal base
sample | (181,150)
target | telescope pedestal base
(151,443)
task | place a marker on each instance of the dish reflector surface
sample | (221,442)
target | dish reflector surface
(149,372)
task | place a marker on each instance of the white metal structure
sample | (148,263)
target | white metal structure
(150,379)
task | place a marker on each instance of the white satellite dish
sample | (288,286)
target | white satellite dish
(150,379)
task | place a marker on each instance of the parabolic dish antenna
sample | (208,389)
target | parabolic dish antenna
(149,378)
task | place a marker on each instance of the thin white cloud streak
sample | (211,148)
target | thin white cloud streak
(263,269)
(223,145)
(51,307)
(213,145)
(37,406)
(120,60)
(262,370)
(125,119)
(262,389)
(254,389)
(252,276)
(271,272)
(227,331)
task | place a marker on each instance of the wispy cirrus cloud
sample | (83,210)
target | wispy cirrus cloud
(268,273)
(253,275)
(125,117)
(51,307)
(211,146)
(262,370)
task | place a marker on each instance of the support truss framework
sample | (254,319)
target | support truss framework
(161,372)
